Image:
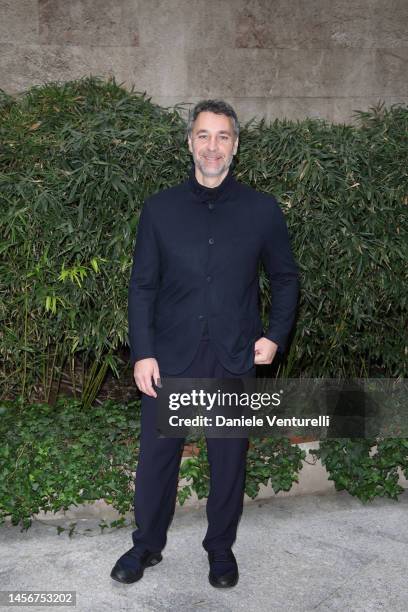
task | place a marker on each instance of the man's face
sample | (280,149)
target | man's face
(212,143)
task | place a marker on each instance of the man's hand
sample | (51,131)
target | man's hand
(265,351)
(144,371)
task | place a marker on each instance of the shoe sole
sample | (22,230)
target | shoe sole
(154,559)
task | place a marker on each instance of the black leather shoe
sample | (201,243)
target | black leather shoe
(223,568)
(130,566)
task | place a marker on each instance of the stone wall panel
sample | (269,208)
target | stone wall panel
(276,58)
(19,21)
(86,22)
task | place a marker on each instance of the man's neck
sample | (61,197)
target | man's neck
(209,181)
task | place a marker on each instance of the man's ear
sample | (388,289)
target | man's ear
(235,146)
(190,146)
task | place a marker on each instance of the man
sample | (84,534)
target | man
(193,312)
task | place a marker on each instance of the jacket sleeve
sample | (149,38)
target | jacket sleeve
(143,287)
(283,276)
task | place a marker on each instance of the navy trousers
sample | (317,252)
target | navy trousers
(158,467)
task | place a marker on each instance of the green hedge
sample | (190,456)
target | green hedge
(78,159)
(55,456)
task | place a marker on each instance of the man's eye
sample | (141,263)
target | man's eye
(201,136)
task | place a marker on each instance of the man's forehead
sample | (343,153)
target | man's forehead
(207,120)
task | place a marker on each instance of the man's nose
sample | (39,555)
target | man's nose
(212,143)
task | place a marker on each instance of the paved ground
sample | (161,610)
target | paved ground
(327,552)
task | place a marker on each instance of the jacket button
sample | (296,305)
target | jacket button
(209,279)
(200,317)
(211,206)
(211,241)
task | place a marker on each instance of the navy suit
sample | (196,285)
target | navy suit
(196,266)
(194,306)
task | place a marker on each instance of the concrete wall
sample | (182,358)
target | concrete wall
(276,58)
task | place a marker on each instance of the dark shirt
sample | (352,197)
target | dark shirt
(195,268)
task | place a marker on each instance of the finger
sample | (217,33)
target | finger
(156,377)
(151,392)
(147,383)
(141,383)
(138,382)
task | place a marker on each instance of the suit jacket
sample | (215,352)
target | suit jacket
(195,266)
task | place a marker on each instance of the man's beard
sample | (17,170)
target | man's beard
(211,172)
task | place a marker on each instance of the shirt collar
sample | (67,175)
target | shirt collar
(206,194)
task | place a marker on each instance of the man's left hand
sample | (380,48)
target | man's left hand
(265,351)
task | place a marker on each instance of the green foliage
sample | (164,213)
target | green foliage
(57,456)
(344,191)
(78,159)
(365,468)
(269,461)
(274,459)
(197,470)
(54,456)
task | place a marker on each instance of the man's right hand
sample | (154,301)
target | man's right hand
(145,372)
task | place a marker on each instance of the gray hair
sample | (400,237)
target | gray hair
(219,107)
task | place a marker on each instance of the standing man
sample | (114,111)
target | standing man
(193,312)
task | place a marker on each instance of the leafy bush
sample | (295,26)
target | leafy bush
(53,457)
(77,161)
(79,158)
(365,468)
(56,456)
